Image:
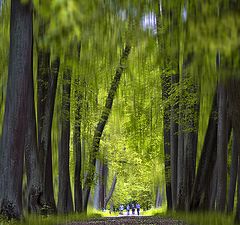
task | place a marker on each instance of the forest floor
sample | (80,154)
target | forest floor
(126,220)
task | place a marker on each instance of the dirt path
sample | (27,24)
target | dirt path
(136,220)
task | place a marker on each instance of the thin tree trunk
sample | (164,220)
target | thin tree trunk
(190,149)
(213,189)
(222,144)
(233,174)
(110,193)
(237,216)
(102,122)
(96,198)
(78,153)
(207,161)
(65,202)
(166,114)
(19,88)
(44,142)
(234,111)
(174,146)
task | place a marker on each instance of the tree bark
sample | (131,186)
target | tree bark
(65,202)
(19,88)
(102,122)
(174,146)
(32,159)
(44,142)
(207,161)
(222,144)
(110,193)
(233,174)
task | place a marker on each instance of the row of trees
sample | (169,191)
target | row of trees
(175,121)
(207,189)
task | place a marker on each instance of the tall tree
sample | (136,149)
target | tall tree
(65,202)
(233,174)
(206,163)
(19,87)
(222,143)
(102,122)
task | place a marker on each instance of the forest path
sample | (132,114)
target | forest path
(126,220)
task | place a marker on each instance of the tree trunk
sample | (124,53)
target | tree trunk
(167,155)
(102,122)
(110,193)
(233,174)
(96,198)
(190,149)
(213,190)
(44,142)
(174,146)
(65,202)
(15,127)
(78,152)
(222,144)
(207,161)
(237,216)
(32,159)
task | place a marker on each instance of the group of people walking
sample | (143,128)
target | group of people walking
(131,207)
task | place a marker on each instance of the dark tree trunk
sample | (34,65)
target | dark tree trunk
(65,202)
(174,146)
(102,122)
(167,156)
(207,161)
(233,174)
(237,217)
(102,185)
(32,159)
(166,116)
(110,193)
(15,127)
(190,149)
(222,144)
(234,111)
(44,142)
(213,190)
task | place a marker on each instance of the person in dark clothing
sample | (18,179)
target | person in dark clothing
(138,208)
(133,209)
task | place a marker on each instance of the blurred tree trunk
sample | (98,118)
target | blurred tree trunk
(32,160)
(233,174)
(78,151)
(47,76)
(65,202)
(234,111)
(213,189)
(15,127)
(96,199)
(166,82)
(190,147)
(110,193)
(44,141)
(102,122)
(207,161)
(174,145)
(222,144)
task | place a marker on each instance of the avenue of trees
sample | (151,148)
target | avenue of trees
(105,102)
